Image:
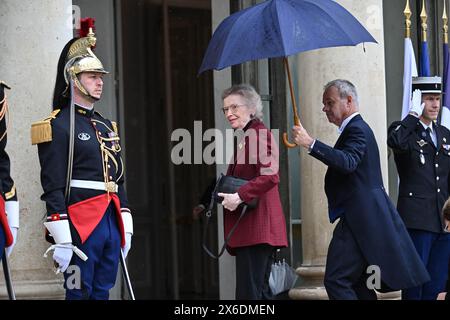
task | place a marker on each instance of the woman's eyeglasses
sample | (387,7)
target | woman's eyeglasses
(233,108)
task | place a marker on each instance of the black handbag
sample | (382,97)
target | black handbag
(230,184)
(225,184)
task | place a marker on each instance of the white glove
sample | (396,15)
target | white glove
(416,103)
(62,257)
(128,228)
(14,234)
(127,246)
(230,200)
(12,212)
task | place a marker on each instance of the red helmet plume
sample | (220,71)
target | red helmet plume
(85,24)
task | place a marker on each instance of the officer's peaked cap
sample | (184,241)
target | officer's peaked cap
(427,84)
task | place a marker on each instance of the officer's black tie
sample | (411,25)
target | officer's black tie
(429,138)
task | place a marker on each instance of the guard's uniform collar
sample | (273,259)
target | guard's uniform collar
(84,111)
(431,126)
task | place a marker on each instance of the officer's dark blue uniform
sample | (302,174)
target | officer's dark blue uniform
(92,214)
(424,171)
(90,228)
(7,187)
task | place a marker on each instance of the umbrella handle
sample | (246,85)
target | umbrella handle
(294,105)
(285,136)
(287,143)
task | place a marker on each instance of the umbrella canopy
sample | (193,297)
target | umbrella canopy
(279,28)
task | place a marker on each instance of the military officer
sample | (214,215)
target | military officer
(9,205)
(422,156)
(82,175)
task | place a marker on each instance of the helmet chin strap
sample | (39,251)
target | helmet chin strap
(83,90)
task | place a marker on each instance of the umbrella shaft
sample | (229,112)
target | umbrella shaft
(291,88)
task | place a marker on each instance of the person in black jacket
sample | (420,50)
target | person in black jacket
(422,156)
(9,205)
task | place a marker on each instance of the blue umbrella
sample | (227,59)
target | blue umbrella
(279,28)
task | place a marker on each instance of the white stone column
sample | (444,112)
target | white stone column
(366,70)
(32,35)
(222,80)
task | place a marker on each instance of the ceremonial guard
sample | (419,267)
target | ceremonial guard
(82,175)
(422,155)
(9,206)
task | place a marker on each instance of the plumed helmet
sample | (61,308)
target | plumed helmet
(76,57)
(80,57)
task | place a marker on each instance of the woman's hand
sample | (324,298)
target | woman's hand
(230,200)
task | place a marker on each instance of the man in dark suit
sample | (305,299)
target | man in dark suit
(422,155)
(370,231)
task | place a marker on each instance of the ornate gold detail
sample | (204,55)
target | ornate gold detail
(82,46)
(87,64)
(423,17)
(108,153)
(41,131)
(80,58)
(11,193)
(445,23)
(111,186)
(115,128)
(407,13)
(4,109)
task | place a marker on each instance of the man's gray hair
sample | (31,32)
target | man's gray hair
(345,89)
(246,91)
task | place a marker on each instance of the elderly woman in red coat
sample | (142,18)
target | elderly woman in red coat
(262,229)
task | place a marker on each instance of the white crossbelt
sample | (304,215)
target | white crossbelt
(95,185)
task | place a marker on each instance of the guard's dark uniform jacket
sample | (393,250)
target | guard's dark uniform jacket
(424,172)
(7,187)
(96,158)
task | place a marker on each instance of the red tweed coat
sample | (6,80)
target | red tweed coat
(256,160)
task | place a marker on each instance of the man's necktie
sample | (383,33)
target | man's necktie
(430,139)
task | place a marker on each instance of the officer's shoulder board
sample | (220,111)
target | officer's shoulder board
(41,131)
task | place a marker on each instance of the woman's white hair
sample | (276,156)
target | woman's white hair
(251,97)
